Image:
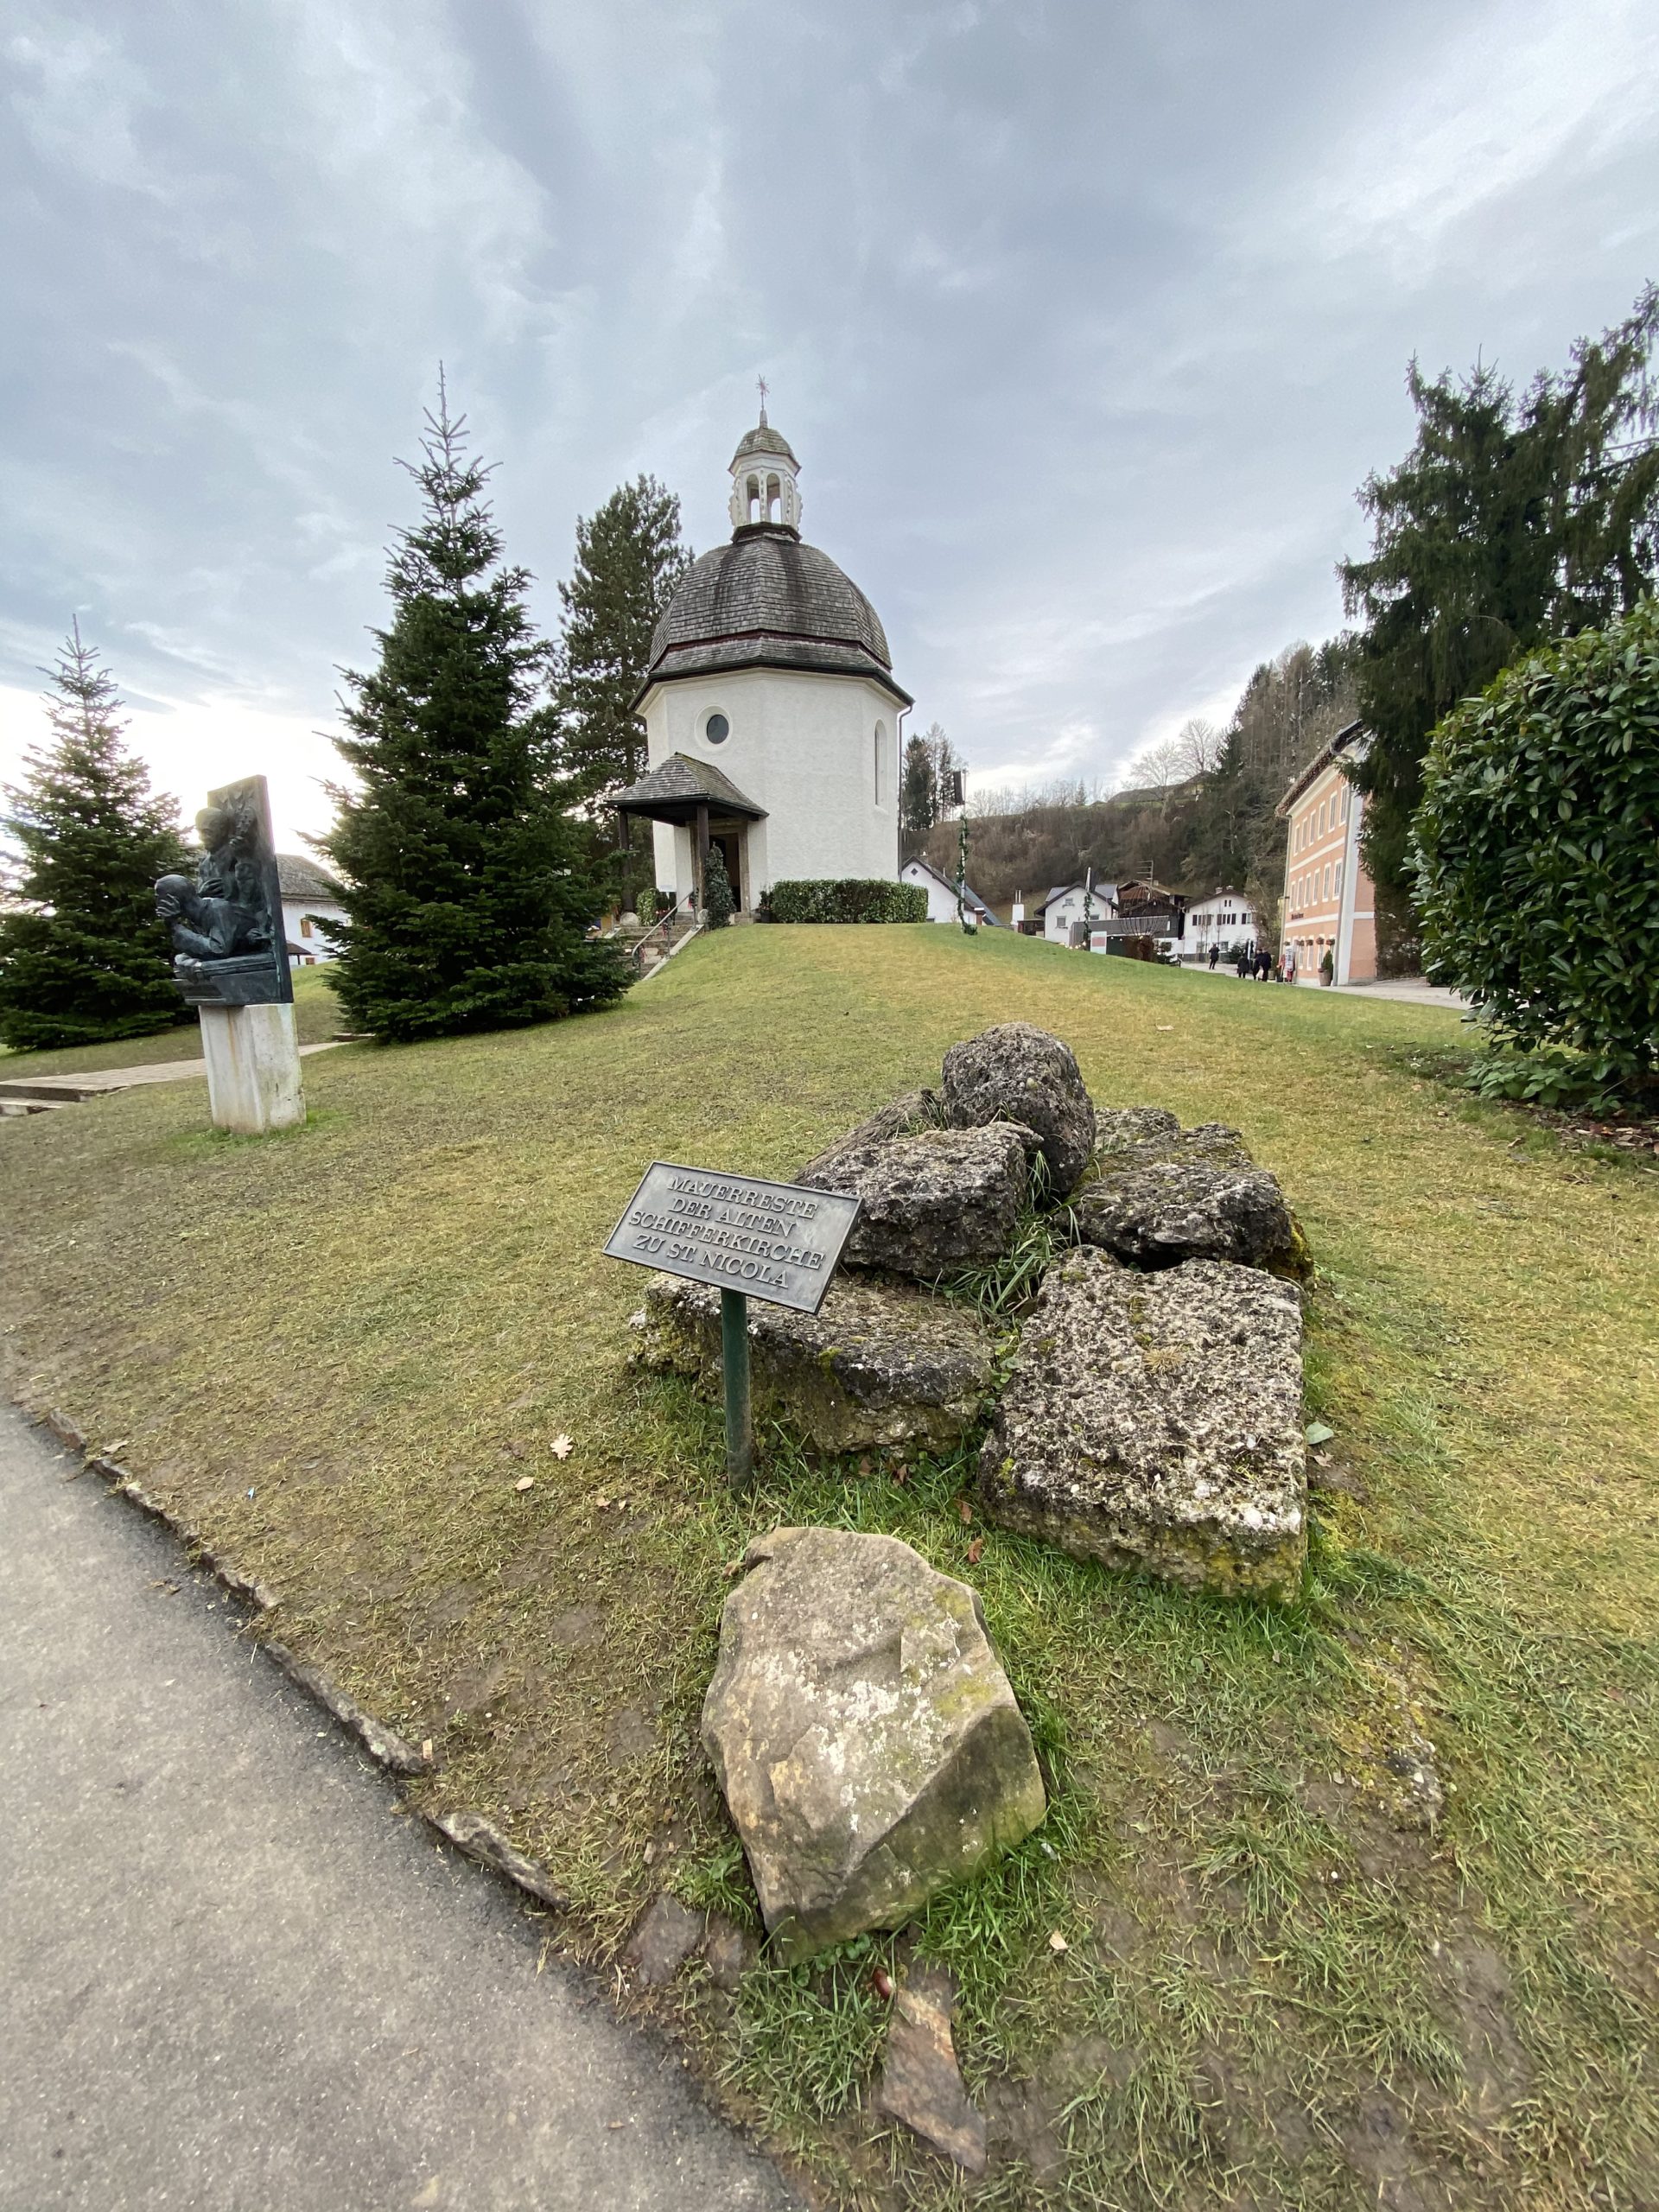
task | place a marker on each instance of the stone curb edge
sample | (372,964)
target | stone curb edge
(469,1832)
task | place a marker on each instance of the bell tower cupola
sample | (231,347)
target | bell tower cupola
(766,489)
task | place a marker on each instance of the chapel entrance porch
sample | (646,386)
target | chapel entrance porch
(694,796)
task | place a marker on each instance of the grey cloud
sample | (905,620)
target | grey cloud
(1086,323)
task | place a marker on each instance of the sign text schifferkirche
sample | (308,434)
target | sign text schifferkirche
(779,1241)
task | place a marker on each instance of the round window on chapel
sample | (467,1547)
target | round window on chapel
(716,729)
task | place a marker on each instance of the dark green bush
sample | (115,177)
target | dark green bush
(848,899)
(1536,853)
(717,901)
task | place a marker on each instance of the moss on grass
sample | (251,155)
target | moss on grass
(1269,1993)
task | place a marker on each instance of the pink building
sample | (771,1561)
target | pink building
(1329,905)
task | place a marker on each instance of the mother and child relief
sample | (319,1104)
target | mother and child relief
(865,1736)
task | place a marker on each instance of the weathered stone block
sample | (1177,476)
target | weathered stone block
(901,1117)
(1120,1129)
(1019,1073)
(1156,1421)
(939,1198)
(1171,1195)
(865,1737)
(876,1364)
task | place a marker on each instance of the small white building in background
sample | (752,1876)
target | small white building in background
(771,711)
(942,895)
(308,897)
(1062,906)
(1226,919)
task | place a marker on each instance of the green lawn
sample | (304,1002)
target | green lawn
(316,1011)
(338,1351)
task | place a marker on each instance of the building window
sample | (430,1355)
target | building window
(716,729)
(774,499)
(305,924)
(1339,878)
(754,494)
(1327,880)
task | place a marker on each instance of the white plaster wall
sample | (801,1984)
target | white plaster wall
(1205,926)
(941,898)
(295,911)
(803,745)
(1059,917)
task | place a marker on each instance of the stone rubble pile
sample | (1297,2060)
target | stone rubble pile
(1147,1413)
(1150,1415)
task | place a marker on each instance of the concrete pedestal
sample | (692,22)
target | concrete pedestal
(253,1068)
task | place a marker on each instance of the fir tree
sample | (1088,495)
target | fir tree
(465,884)
(629,560)
(1510,522)
(83,958)
(918,795)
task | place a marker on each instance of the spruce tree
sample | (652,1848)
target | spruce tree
(1512,521)
(465,881)
(83,957)
(918,795)
(629,561)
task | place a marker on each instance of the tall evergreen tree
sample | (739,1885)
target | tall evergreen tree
(465,881)
(1509,522)
(83,957)
(918,795)
(629,560)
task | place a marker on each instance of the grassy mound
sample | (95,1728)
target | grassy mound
(340,1350)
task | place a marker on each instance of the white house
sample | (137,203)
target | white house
(942,895)
(1062,907)
(771,712)
(308,897)
(1227,920)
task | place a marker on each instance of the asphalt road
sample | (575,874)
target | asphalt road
(230,1976)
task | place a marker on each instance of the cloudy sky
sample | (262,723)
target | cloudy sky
(1086,317)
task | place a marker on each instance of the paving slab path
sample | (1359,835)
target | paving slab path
(232,1976)
(99,1080)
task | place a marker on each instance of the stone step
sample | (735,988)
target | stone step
(52,1091)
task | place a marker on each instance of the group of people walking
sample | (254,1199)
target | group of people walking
(1257,965)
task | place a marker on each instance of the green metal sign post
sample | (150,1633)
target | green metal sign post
(748,1237)
(734,1368)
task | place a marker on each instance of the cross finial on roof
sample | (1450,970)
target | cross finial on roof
(762,383)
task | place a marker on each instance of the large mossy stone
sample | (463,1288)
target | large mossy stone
(877,1363)
(1160,1195)
(1156,1421)
(931,1201)
(1019,1073)
(863,1732)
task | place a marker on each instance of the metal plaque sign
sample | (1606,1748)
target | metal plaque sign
(779,1241)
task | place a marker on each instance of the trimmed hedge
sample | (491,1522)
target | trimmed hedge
(1535,851)
(847,899)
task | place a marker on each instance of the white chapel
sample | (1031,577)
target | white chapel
(771,712)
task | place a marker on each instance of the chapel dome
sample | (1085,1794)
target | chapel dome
(767,599)
(767,583)
(763,439)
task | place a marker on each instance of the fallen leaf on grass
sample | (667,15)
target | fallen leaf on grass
(975,1551)
(599,1503)
(1318,1431)
(562,1447)
(964,1509)
(526,1482)
(882,1982)
(1057,1942)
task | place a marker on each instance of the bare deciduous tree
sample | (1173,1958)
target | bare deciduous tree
(1199,744)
